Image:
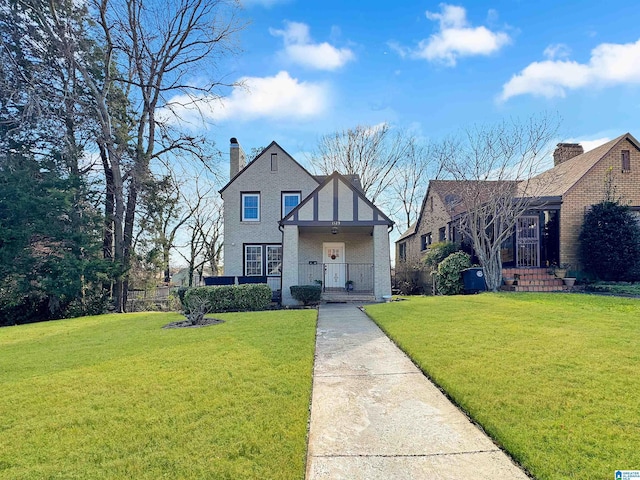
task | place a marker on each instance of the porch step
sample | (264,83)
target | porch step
(348,297)
(532,280)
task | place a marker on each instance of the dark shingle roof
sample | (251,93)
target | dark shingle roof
(558,180)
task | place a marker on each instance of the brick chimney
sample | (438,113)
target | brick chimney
(566,151)
(237,158)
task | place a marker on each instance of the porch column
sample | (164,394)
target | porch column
(381,265)
(289,263)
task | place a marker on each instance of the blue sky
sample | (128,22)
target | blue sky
(312,68)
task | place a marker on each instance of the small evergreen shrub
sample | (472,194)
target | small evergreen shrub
(609,243)
(307,294)
(449,277)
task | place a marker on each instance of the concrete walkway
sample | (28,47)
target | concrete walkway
(375,416)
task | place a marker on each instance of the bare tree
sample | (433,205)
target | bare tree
(411,177)
(205,232)
(166,210)
(494,166)
(150,53)
(371,152)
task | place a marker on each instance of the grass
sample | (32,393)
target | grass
(116,396)
(553,378)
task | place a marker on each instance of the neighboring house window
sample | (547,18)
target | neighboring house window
(250,207)
(425,241)
(442,234)
(274,260)
(290,200)
(431,204)
(253,260)
(626,161)
(274,162)
(402,252)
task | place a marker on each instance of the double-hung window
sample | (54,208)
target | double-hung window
(290,200)
(402,252)
(274,260)
(425,241)
(252,260)
(250,207)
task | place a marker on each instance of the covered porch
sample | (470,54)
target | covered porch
(341,260)
(339,240)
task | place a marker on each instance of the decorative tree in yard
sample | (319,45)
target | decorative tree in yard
(493,167)
(609,242)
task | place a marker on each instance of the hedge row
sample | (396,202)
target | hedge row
(229,298)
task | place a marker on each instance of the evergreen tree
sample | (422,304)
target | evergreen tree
(49,244)
(609,245)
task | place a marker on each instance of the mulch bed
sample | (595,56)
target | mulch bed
(187,324)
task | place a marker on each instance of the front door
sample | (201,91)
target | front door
(528,242)
(335,267)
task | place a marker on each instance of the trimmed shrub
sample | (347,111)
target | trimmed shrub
(438,252)
(181,292)
(252,297)
(307,294)
(228,298)
(449,277)
(609,245)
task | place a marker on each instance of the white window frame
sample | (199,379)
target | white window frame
(268,260)
(246,260)
(242,206)
(289,194)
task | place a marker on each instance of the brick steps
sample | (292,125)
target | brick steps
(532,280)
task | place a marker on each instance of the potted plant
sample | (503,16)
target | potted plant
(348,285)
(560,271)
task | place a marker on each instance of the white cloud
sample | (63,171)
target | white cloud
(300,49)
(589,145)
(277,97)
(610,64)
(456,38)
(556,50)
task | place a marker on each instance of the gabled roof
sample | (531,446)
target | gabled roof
(257,157)
(451,194)
(355,179)
(410,231)
(292,216)
(558,180)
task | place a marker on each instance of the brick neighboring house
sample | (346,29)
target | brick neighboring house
(293,228)
(548,233)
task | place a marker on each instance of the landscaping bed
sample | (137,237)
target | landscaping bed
(552,378)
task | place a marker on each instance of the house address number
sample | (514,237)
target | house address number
(335,224)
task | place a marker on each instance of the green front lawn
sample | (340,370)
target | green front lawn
(116,396)
(554,378)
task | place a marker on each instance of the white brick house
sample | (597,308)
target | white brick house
(282,223)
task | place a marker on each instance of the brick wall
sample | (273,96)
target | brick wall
(432,219)
(590,190)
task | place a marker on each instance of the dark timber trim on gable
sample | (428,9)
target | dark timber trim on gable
(379,218)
